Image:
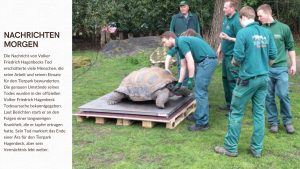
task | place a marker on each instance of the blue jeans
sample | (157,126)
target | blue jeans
(278,85)
(203,74)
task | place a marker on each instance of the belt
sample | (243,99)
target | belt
(246,81)
(207,58)
(254,77)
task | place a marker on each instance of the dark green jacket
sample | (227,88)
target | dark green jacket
(180,24)
(254,47)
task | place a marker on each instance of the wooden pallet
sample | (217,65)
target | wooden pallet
(147,121)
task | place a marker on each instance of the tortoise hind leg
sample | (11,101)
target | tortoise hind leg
(162,96)
(115,97)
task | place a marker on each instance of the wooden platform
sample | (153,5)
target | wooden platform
(147,108)
(147,121)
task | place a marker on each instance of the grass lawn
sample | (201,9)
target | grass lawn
(111,146)
(297,49)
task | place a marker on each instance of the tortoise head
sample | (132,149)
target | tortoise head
(182,91)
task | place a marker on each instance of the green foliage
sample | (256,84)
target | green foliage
(285,11)
(86,16)
(89,16)
(297,50)
(133,16)
(250,2)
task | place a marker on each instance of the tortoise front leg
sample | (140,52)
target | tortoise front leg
(162,96)
(115,97)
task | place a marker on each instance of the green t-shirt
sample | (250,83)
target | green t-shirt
(284,41)
(254,47)
(172,51)
(199,48)
(231,26)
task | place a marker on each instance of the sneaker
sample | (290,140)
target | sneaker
(289,128)
(198,127)
(223,151)
(191,117)
(224,107)
(255,154)
(274,129)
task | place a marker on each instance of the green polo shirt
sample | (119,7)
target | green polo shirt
(199,48)
(180,24)
(284,41)
(254,47)
(231,26)
(173,50)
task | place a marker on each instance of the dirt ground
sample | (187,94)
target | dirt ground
(131,46)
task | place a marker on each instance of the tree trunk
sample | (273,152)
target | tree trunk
(102,40)
(121,35)
(107,37)
(216,25)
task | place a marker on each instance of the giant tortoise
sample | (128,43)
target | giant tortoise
(152,83)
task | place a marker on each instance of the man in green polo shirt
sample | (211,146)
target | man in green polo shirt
(171,52)
(200,59)
(253,51)
(230,28)
(278,82)
(181,22)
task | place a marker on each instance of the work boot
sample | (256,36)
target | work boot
(191,117)
(255,154)
(274,129)
(289,128)
(224,107)
(198,127)
(223,151)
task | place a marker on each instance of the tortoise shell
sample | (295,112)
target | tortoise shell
(141,84)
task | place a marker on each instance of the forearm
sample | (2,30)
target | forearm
(219,48)
(167,62)
(231,39)
(191,68)
(292,56)
(190,64)
(224,36)
(182,70)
